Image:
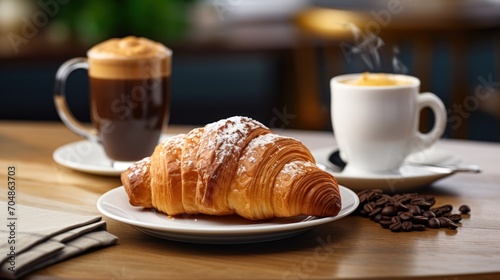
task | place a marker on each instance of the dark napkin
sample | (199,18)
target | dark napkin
(43,237)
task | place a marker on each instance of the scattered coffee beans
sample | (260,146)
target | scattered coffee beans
(434,223)
(464,209)
(408,212)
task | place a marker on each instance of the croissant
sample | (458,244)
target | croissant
(233,166)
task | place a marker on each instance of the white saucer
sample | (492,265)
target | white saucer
(409,177)
(213,229)
(89,157)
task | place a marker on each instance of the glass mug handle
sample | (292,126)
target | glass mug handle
(60,99)
(425,140)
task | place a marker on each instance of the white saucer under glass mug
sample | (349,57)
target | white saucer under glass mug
(376,123)
(129,82)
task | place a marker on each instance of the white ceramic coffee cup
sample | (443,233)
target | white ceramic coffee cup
(376,127)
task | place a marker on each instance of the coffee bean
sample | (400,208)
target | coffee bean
(445,222)
(455,218)
(375,212)
(464,209)
(407,212)
(437,212)
(452,225)
(429,198)
(404,199)
(414,210)
(368,207)
(400,206)
(446,208)
(417,199)
(371,196)
(362,198)
(365,191)
(429,214)
(418,227)
(382,201)
(389,211)
(407,226)
(424,205)
(395,227)
(396,219)
(431,201)
(420,220)
(434,223)
(446,214)
(405,216)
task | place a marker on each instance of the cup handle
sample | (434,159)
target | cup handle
(424,140)
(60,99)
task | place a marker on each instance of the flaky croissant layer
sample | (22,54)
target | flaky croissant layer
(233,166)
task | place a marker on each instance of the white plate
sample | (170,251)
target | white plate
(213,229)
(89,157)
(409,177)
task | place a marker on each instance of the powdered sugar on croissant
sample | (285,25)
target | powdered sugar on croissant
(233,166)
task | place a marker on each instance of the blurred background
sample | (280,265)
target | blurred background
(270,60)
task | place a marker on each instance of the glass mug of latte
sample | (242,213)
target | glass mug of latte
(129,96)
(375,119)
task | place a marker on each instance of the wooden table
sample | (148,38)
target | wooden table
(351,248)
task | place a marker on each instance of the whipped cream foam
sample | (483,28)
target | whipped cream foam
(129,58)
